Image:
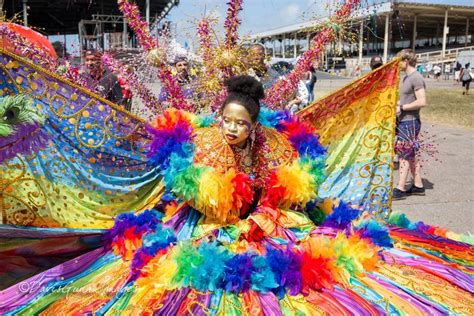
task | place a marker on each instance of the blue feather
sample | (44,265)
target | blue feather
(237,273)
(271,118)
(286,269)
(209,274)
(341,216)
(262,276)
(374,231)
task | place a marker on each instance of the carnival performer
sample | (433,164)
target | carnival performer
(226,212)
(239,230)
(105,82)
(184,79)
(258,68)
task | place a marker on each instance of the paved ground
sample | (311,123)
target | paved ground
(449,199)
(449,183)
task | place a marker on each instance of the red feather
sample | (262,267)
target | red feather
(243,194)
(316,273)
(275,192)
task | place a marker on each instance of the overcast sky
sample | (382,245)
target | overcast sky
(262,15)
(257,15)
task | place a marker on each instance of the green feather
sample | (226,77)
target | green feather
(15,111)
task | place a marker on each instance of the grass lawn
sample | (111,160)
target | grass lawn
(445,105)
(449,106)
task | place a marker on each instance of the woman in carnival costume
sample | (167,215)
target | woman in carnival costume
(232,223)
(239,230)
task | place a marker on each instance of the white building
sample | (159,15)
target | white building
(437,32)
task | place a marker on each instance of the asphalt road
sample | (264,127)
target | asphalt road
(449,182)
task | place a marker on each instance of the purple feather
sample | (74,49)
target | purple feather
(167,141)
(143,222)
(286,267)
(27,138)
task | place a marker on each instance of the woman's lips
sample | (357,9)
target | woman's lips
(231,137)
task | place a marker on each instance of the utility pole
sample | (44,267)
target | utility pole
(361,42)
(147,12)
(25,12)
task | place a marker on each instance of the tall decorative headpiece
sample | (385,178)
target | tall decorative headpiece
(226,58)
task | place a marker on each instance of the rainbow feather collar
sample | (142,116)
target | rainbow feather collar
(224,196)
(158,258)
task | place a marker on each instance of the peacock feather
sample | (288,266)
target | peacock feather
(20,126)
(16,111)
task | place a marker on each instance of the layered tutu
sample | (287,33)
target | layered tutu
(206,248)
(272,263)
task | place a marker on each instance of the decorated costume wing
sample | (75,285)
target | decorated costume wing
(357,124)
(170,261)
(25,252)
(166,260)
(89,163)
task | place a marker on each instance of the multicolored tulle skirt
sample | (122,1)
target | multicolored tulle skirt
(272,263)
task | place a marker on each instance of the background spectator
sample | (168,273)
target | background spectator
(457,71)
(466,78)
(376,62)
(106,83)
(311,79)
(436,71)
(412,99)
(447,71)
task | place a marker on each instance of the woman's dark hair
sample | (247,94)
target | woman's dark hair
(246,91)
(376,62)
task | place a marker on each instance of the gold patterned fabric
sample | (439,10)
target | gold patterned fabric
(357,124)
(93,166)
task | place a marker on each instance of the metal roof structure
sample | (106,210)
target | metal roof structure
(54,17)
(427,17)
(442,27)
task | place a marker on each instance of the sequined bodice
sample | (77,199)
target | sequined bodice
(212,150)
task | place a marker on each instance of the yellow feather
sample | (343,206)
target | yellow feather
(299,184)
(158,273)
(215,195)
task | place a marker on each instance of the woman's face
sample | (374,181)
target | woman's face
(236,124)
